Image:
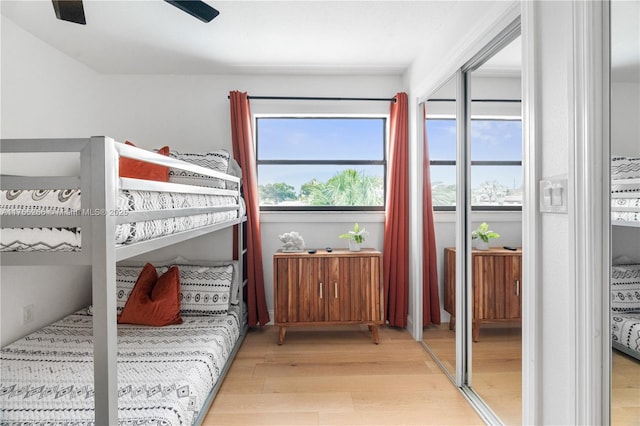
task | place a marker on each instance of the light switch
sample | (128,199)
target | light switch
(556,196)
(553,195)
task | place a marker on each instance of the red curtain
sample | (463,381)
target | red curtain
(396,223)
(430,299)
(243,152)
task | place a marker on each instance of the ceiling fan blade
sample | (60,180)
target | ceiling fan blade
(196,8)
(70,10)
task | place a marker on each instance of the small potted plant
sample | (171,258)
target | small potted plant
(482,235)
(355,237)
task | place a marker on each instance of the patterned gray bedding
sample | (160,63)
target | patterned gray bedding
(165,374)
(625,167)
(625,308)
(625,332)
(625,190)
(67,202)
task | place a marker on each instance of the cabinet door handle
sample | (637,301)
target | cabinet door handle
(335,289)
(320,290)
(518,288)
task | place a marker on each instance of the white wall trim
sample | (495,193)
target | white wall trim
(463,238)
(590,235)
(416,214)
(531,222)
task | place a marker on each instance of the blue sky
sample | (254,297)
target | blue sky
(360,139)
(490,140)
(312,139)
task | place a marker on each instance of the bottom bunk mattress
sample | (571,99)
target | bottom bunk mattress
(625,333)
(165,374)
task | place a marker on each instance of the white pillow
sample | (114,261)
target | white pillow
(215,160)
(234,298)
(205,290)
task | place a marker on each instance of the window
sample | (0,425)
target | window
(496,163)
(321,163)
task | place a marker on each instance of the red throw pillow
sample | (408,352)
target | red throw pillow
(137,169)
(154,301)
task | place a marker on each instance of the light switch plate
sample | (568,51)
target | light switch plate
(553,195)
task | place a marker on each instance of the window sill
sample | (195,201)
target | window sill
(477,216)
(378,217)
(320,217)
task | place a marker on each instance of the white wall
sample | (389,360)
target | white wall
(44,93)
(625,141)
(625,126)
(553,27)
(191,113)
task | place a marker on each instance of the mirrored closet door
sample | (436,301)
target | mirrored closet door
(440,144)
(625,212)
(474,141)
(495,142)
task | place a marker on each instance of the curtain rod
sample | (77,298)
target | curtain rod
(317,98)
(476,100)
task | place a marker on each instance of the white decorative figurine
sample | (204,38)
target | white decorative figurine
(293,242)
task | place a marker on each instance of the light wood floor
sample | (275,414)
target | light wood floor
(497,373)
(625,390)
(496,368)
(337,376)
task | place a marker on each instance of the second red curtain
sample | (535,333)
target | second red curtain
(243,152)
(396,223)
(430,298)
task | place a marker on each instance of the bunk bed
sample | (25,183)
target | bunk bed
(625,191)
(86,368)
(625,277)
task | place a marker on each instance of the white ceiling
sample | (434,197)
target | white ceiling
(295,36)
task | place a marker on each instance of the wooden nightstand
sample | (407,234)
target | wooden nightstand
(336,288)
(497,286)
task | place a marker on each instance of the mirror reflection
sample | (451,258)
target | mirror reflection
(440,144)
(494,135)
(496,258)
(625,212)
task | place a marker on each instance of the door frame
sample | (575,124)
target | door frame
(591,232)
(588,209)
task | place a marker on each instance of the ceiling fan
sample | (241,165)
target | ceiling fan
(73,10)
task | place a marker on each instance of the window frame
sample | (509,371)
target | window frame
(476,162)
(383,162)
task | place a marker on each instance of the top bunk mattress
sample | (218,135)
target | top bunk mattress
(165,374)
(68,203)
(156,194)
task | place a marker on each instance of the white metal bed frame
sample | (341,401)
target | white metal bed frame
(99,184)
